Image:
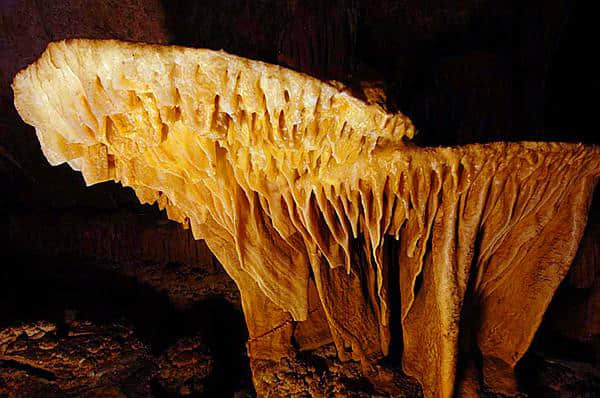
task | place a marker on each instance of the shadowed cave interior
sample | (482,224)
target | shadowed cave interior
(92,269)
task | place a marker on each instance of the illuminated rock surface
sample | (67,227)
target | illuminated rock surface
(332,225)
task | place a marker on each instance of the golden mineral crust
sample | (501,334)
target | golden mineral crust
(317,204)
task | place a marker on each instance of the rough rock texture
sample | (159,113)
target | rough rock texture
(184,368)
(321,373)
(82,359)
(36,360)
(298,187)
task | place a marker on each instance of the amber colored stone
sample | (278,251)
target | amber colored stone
(294,183)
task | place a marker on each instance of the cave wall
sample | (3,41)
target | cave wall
(464,71)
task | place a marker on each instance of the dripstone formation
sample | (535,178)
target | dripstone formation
(335,228)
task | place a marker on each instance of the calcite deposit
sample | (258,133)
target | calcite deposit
(332,224)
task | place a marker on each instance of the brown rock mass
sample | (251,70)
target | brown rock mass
(318,207)
(83,359)
(36,360)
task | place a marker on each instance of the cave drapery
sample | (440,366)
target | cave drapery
(312,199)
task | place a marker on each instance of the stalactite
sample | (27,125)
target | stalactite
(298,187)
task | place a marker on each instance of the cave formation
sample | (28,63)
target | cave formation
(333,225)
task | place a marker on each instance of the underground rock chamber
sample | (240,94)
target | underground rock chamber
(332,224)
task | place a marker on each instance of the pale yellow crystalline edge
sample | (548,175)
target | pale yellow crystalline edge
(271,107)
(171,122)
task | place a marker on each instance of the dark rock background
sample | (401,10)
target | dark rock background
(465,71)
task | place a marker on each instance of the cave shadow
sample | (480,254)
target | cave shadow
(501,75)
(244,28)
(57,289)
(224,332)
